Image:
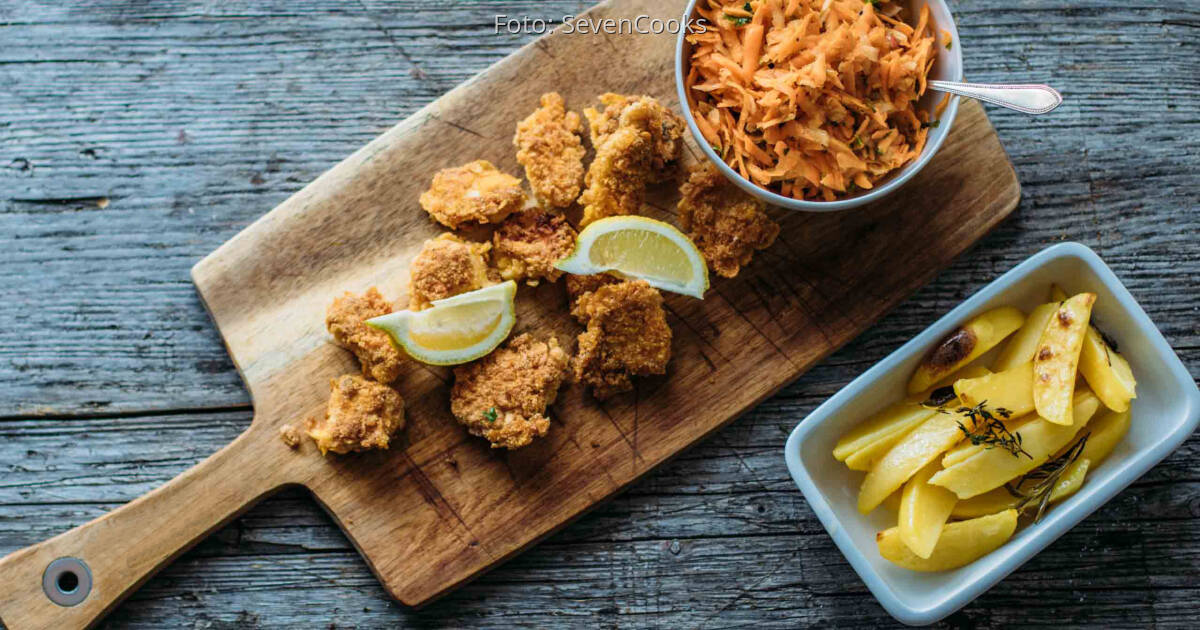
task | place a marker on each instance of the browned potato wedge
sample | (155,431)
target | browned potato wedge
(964,345)
(960,544)
(1099,362)
(1057,358)
(1020,347)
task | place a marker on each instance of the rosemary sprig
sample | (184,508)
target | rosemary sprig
(1045,478)
(989,431)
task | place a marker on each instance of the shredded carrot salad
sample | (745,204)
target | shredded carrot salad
(813,99)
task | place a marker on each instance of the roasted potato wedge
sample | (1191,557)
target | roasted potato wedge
(1106,371)
(964,345)
(1011,390)
(912,453)
(865,458)
(966,448)
(898,418)
(992,468)
(960,544)
(1057,358)
(1020,347)
(892,502)
(1001,499)
(1104,433)
(924,509)
(971,371)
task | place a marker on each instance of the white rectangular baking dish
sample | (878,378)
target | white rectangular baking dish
(1164,414)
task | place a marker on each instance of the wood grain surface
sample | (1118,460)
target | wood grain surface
(116,382)
(443,506)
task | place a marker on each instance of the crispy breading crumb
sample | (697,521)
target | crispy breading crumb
(549,147)
(578,286)
(346,319)
(361,415)
(290,436)
(447,266)
(527,245)
(627,335)
(475,192)
(665,127)
(725,223)
(503,396)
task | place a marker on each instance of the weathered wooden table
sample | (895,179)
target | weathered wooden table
(135,137)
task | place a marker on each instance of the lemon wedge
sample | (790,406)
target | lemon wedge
(455,329)
(640,248)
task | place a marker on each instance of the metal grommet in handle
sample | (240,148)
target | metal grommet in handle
(67,581)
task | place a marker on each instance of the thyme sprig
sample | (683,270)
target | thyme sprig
(1045,478)
(989,431)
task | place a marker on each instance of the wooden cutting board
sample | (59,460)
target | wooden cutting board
(441,507)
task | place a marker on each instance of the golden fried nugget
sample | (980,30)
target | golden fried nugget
(630,155)
(549,147)
(474,192)
(616,178)
(445,267)
(725,223)
(627,335)
(346,319)
(528,244)
(665,127)
(503,396)
(578,286)
(361,415)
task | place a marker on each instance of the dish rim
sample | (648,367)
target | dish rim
(1069,514)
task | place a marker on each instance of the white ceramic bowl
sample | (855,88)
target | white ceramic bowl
(948,67)
(1165,413)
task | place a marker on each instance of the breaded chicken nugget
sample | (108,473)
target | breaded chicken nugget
(549,147)
(445,267)
(503,396)
(345,319)
(725,223)
(627,335)
(616,178)
(528,244)
(637,142)
(361,415)
(578,286)
(665,126)
(474,192)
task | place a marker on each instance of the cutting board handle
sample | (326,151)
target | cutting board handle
(92,568)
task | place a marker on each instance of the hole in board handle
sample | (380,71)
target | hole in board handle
(67,581)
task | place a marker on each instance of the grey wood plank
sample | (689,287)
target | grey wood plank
(137,137)
(718,536)
(193,128)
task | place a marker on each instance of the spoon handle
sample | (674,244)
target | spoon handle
(1030,99)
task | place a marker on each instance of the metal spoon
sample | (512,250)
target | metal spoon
(1030,99)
